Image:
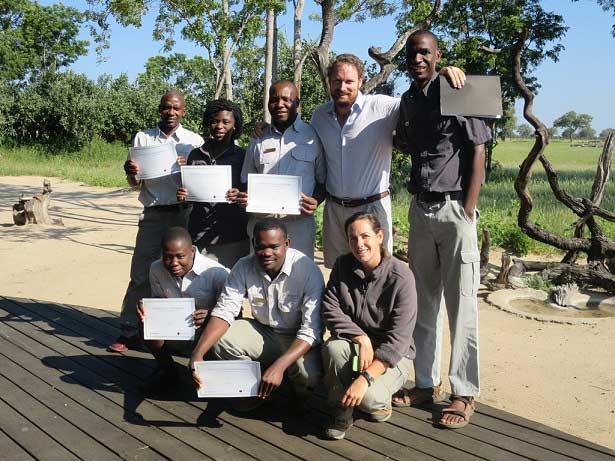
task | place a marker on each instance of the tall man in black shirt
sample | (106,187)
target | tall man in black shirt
(448,157)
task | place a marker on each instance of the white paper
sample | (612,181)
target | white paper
(228,378)
(274,194)
(155,161)
(207,183)
(168,318)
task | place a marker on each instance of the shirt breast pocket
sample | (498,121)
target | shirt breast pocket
(290,309)
(304,157)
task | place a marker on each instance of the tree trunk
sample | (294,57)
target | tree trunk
(226,56)
(268,62)
(298,45)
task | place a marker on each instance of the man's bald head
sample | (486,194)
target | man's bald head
(172,109)
(283,103)
(173,94)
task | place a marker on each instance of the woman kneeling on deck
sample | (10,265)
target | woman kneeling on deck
(370,309)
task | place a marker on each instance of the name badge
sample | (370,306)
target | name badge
(271,149)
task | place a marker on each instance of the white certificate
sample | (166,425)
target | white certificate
(274,193)
(228,378)
(155,161)
(168,318)
(207,183)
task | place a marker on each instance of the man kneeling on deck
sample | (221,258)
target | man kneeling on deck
(181,272)
(284,289)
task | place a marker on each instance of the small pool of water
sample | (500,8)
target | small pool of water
(591,310)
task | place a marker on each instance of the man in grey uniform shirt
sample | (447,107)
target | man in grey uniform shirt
(161,210)
(448,159)
(289,146)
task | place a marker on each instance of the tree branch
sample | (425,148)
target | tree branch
(385,60)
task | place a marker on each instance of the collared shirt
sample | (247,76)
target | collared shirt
(163,191)
(358,156)
(296,152)
(203,282)
(441,147)
(290,303)
(219,223)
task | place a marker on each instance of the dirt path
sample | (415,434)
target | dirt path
(559,375)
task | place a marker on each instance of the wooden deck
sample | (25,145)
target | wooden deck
(64,397)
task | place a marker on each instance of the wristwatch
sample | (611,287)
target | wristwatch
(369,378)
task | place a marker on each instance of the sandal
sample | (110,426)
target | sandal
(466,413)
(417,396)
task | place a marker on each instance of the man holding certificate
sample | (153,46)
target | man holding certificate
(284,289)
(290,147)
(181,274)
(160,207)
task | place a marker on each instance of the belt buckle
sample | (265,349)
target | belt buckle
(345,203)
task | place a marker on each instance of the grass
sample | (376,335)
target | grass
(100,164)
(498,201)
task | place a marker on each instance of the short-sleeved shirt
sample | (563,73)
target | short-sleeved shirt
(219,223)
(441,147)
(296,152)
(163,191)
(289,304)
(203,282)
(358,156)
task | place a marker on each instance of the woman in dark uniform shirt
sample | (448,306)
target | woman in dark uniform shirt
(220,228)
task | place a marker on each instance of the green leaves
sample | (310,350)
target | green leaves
(35,38)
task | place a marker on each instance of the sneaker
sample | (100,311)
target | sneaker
(124,343)
(341,421)
(380,416)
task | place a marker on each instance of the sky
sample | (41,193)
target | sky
(582,80)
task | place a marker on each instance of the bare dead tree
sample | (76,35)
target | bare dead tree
(321,54)
(385,60)
(597,246)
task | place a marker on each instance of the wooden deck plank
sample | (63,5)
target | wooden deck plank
(546,430)
(11,451)
(503,441)
(54,425)
(174,439)
(184,430)
(70,331)
(71,341)
(30,437)
(99,428)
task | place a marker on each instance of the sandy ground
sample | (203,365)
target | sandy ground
(559,375)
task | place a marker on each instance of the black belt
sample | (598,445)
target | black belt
(173,207)
(351,203)
(429,197)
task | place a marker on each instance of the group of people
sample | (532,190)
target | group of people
(384,316)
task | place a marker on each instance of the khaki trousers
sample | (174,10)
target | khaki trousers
(444,256)
(337,356)
(227,254)
(335,242)
(248,339)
